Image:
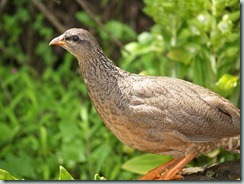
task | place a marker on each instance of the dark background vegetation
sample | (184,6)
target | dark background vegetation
(46,117)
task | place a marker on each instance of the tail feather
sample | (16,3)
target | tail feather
(231,144)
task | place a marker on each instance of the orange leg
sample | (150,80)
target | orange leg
(154,174)
(179,166)
(169,169)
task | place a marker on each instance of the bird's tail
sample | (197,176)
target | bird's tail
(231,144)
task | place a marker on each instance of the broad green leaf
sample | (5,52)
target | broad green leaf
(144,163)
(4,175)
(64,174)
(179,55)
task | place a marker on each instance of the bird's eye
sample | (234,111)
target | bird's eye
(75,38)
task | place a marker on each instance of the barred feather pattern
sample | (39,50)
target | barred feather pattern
(160,115)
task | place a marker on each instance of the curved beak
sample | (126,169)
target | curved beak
(58,41)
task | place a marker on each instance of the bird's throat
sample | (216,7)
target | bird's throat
(100,75)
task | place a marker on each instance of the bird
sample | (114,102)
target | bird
(154,114)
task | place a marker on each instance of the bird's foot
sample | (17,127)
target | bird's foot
(177,176)
(159,172)
(169,170)
(158,176)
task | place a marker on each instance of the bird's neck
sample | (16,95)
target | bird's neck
(99,74)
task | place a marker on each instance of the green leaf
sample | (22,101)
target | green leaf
(4,175)
(101,152)
(119,30)
(85,19)
(145,38)
(64,174)
(225,26)
(20,163)
(6,133)
(144,163)
(231,52)
(226,84)
(179,55)
(98,177)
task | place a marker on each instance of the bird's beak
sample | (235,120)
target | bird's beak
(58,41)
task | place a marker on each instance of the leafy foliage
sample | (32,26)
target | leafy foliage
(200,42)
(48,125)
(47,119)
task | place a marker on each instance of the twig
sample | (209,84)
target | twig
(49,16)
(2,6)
(230,170)
(83,4)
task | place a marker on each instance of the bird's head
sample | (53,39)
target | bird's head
(78,42)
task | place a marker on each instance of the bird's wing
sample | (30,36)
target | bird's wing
(169,104)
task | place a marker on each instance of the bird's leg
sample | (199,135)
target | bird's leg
(155,173)
(172,172)
(169,169)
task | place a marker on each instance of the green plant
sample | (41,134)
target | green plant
(199,42)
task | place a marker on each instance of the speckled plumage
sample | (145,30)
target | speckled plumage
(153,114)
